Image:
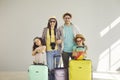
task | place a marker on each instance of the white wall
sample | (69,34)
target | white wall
(22,20)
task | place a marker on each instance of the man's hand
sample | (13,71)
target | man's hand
(59,41)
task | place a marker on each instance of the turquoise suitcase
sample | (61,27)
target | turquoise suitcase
(38,72)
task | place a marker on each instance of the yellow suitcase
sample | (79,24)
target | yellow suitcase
(80,70)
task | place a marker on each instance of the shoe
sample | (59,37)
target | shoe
(40,64)
(34,63)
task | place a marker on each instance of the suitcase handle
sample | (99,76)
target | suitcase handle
(55,56)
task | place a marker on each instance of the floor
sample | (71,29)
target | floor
(24,76)
(13,76)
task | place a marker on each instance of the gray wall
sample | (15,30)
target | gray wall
(22,20)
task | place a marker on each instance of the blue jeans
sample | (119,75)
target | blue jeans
(51,62)
(50,59)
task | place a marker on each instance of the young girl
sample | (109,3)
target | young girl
(79,50)
(39,51)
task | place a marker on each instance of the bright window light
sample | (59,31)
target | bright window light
(108,28)
(105,31)
(106,76)
(115,22)
(109,60)
(103,63)
(115,56)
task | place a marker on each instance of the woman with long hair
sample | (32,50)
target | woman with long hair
(49,37)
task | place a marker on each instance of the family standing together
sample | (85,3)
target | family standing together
(65,41)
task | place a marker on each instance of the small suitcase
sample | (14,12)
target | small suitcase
(60,73)
(38,72)
(80,70)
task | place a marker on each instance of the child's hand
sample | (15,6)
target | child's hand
(43,49)
(38,50)
(75,53)
(85,54)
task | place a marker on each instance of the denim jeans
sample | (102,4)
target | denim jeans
(51,62)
